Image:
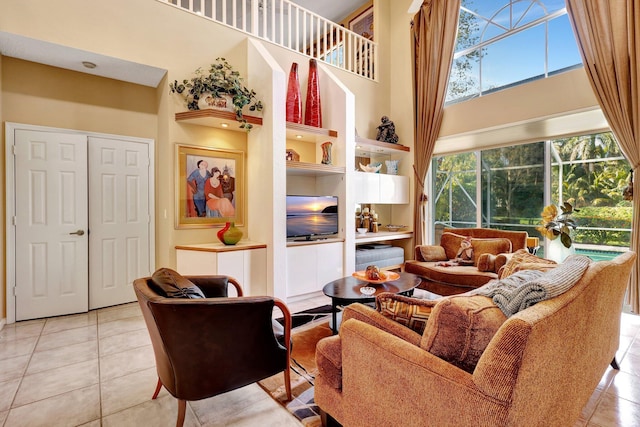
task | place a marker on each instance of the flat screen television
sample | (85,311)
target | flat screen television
(309,216)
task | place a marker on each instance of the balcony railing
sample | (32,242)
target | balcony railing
(293,27)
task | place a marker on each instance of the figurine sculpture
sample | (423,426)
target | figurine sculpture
(387,131)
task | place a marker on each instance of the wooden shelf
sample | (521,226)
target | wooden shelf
(312,169)
(368,146)
(300,132)
(217,119)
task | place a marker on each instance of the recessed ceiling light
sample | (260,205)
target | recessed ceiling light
(299,136)
(224,125)
(89,65)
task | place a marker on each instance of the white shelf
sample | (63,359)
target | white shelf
(383,236)
(300,132)
(312,169)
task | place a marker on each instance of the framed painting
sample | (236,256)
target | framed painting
(209,187)
(362,24)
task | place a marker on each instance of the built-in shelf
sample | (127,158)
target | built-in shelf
(315,241)
(366,146)
(300,132)
(312,169)
(216,118)
(383,236)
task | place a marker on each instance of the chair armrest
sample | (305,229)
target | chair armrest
(370,316)
(430,253)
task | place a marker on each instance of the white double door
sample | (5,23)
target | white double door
(82,221)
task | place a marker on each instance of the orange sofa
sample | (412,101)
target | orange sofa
(539,368)
(487,244)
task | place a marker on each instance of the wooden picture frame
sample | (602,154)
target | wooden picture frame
(210,186)
(362,24)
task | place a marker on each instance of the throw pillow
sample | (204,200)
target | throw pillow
(487,262)
(519,257)
(173,285)
(451,243)
(460,328)
(489,246)
(410,312)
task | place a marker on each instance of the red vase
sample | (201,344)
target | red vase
(313,111)
(294,99)
(220,233)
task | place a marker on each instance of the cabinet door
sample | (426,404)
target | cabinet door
(394,189)
(196,263)
(329,263)
(301,270)
(255,272)
(367,187)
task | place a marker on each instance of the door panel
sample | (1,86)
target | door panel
(120,221)
(50,196)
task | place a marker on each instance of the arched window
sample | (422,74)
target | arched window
(504,43)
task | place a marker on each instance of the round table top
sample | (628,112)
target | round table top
(348,288)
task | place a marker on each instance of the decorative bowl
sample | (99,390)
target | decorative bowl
(362,230)
(371,168)
(368,290)
(385,276)
(392,227)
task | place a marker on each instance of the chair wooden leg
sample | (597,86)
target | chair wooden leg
(614,364)
(182,409)
(158,387)
(287,382)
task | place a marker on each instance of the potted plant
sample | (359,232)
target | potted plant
(554,225)
(218,81)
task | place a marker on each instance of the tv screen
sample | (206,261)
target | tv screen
(312,216)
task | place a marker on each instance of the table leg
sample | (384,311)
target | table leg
(334,316)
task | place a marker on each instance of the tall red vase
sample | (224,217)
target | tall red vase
(313,111)
(223,230)
(294,99)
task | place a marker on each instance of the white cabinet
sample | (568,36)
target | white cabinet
(310,267)
(246,262)
(381,188)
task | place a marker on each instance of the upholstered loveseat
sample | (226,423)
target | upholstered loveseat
(472,365)
(440,274)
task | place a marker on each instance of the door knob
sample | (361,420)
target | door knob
(78,233)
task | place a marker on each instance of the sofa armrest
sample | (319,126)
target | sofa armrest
(371,317)
(430,253)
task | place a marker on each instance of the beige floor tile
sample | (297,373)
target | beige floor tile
(615,411)
(123,342)
(3,417)
(120,326)
(7,393)
(94,423)
(57,324)
(18,347)
(630,364)
(126,362)
(161,412)
(56,381)
(67,337)
(121,312)
(129,390)
(14,367)
(21,330)
(62,356)
(68,409)
(626,386)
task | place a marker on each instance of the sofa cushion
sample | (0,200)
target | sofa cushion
(460,328)
(520,257)
(465,276)
(487,262)
(171,284)
(329,360)
(489,246)
(410,312)
(451,243)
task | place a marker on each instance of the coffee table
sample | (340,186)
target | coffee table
(346,291)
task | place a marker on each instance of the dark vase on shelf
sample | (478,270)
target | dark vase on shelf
(313,110)
(294,99)
(230,234)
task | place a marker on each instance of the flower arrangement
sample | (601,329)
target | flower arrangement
(554,225)
(220,79)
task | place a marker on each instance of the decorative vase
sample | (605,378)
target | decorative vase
(313,110)
(326,153)
(224,102)
(294,99)
(230,234)
(557,252)
(392,166)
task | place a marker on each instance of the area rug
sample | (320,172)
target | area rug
(303,373)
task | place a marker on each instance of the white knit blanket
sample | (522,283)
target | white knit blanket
(528,287)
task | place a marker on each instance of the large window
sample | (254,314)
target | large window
(502,43)
(515,183)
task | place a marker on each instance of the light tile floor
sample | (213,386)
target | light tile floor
(97,368)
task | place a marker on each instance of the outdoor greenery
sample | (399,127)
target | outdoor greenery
(589,172)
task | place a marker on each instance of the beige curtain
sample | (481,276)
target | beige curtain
(608,34)
(434,34)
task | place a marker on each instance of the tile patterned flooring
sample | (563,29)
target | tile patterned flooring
(97,368)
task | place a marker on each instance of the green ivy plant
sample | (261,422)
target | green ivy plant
(218,80)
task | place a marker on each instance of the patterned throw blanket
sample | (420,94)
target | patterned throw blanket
(528,287)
